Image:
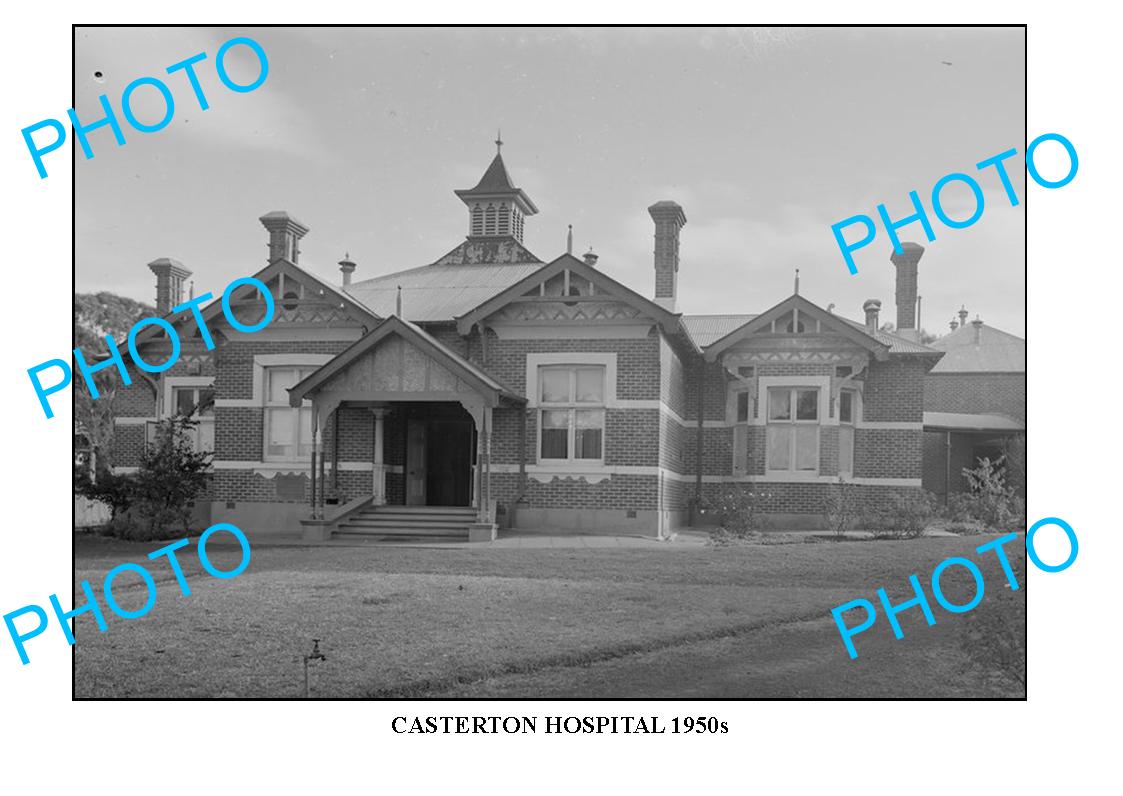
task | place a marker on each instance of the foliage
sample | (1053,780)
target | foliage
(739,507)
(114,490)
(97,315)
(841,508)
(926,336)
(905,516)
(992,499)
(156,502)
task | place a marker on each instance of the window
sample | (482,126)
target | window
(793,429)
(197,403)
(742,407)
(288,429)
(847,409)
(571,417)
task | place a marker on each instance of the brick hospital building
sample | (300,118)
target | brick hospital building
(489,387)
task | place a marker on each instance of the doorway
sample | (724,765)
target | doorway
(440,453)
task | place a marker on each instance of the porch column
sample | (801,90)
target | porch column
(486,502)
(315,450)
(378,487)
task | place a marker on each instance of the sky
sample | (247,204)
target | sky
(766,137)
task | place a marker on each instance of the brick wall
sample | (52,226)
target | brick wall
(894,390)
(977,393)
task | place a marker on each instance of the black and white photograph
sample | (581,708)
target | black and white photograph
(550,363)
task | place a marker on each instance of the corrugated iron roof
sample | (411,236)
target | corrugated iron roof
(963,421)
(438,292)
(708,329)
(996,352)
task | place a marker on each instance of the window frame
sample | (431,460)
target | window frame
(271,408)
(572,406)
(793,421)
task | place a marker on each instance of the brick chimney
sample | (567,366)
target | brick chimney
(669,219)
(906,284)
(590,258)
(872,308)
(169,283)
(978,324)
(285,233)
(347,266)
(962,315)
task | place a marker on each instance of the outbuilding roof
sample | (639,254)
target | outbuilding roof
(964,421)
(980,349)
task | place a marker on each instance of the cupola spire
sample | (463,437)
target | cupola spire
(496,208)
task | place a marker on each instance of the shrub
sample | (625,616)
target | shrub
(903,517)
(840,507)
(992,500)
(156,502)
(115,491)
(739,507)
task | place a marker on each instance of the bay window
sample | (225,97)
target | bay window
(793,429)
(571,400)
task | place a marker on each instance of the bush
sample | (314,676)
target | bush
(115,491)
(156,502)
(993,501)
(903,517)
(739,508)
(840,507)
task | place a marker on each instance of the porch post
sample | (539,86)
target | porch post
(486,513)
(315,444)
(378,486)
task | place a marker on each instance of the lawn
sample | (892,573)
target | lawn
(469,622)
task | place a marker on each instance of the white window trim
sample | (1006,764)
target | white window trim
(171,382)
(265,407)
(263,361)
(576,359)
(823,384)
(572,408)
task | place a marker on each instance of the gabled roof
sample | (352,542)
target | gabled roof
(470,372)
(669,321)
(760,322)
(265,275)
(996,352)
(433,293)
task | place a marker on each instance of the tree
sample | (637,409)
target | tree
(95,316)
(926,337)
(171,475)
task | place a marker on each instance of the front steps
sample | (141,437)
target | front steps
(439,523)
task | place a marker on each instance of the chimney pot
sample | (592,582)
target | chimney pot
(669,220)
(590,258)
(872,308)
(906,263)
(347,266)
(169,283)
(285,233)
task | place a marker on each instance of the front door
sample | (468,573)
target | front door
(450,463)
(416,463)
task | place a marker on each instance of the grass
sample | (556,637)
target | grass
(429,622)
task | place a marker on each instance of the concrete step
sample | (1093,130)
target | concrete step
(363,522)
(350,531)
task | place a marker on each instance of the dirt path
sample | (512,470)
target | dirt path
(802,659)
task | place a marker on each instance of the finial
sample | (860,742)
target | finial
(498,141)
(569,241)
(399,307)
(797,281)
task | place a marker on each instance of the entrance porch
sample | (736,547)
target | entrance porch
(430,415)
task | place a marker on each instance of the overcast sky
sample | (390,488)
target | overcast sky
(765,137)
